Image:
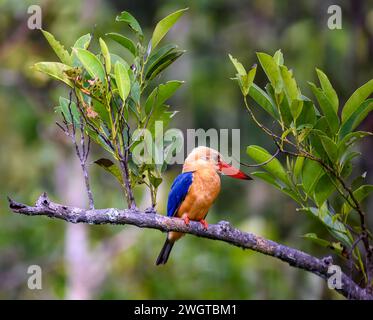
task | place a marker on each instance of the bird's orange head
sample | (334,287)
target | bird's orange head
(204,157)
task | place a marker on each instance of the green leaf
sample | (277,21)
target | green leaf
(163,63)
(133,108)
(102,112)
(96,138)
(265,176)
(55,70)
(106,54)
(83,42)
(356,99)
(154,180)
(285,111)
(308,114)
(360,194)
(161,114)
(263,100)
(247,81)
(290,85)
(346,162)
(279,57)
(131,21)
(160,94)
(296,108)
(348,156)
(328,89)
(292,195)
(336,246)
(115,58)
(346,169)
(110,167)
(123,80)
(155,58)
(316,239)
(312,172)
(91,63)
(286,133)
(320,129)
(324,188)
(330,147)
(358,181)
(124,42)
(271,69)
(326,107)
(303,132)
(238,65)
(336,228)
(64,109)
(58,48)
(356,118)
(298,167)
(136,92)
(164,26)
(274,167)
(350,139)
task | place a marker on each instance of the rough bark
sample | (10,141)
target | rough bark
(222,231)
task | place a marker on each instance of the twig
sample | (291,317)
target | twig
(83,152)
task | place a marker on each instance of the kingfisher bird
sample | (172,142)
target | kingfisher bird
(195,190)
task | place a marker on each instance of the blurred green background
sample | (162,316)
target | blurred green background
(103,262)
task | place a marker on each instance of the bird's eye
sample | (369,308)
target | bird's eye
(205,156)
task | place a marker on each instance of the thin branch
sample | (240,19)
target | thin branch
(82,153)
(222,231)
(264,128)
(126,179)
(88,148)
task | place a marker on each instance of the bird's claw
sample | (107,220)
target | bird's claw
(186,219)
(204,224)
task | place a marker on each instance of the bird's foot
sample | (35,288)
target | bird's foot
(185,218)
(204,224)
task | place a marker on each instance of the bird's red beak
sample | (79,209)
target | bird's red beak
(231,171)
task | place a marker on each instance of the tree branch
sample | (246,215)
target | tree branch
(222,231)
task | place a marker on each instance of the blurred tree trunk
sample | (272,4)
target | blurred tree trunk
(86,267)
(71,189)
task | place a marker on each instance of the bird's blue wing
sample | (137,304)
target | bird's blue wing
(178,192)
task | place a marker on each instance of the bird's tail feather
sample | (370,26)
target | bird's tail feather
(165,252)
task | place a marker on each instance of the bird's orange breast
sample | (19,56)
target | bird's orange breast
(202,194)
